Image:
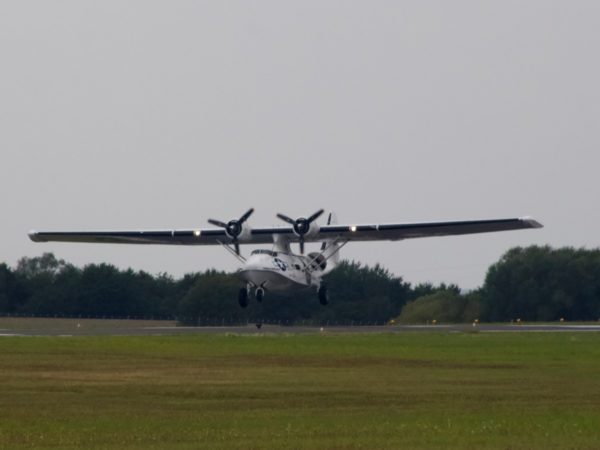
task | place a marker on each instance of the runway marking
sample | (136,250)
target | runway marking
(596,327)
(225,327)
(551,330)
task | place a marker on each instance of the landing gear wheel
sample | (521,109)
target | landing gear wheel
(243,297)
(322,293)
(260,294)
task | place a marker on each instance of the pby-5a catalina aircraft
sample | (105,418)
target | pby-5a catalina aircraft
(277,268)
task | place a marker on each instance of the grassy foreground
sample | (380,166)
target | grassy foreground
(421,390)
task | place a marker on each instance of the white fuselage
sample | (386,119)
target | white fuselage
(279,271)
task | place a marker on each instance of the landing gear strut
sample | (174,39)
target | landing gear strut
(322,293)
(243,297)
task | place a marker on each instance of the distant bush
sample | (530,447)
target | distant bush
(446,305)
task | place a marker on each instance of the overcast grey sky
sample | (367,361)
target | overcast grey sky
(161,114)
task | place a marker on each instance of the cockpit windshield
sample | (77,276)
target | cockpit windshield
(263,252)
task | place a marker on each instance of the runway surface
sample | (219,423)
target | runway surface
(86,327)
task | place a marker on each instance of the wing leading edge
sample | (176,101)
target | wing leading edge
(381,232)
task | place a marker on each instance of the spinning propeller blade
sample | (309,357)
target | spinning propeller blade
(246,215)
(316,215)
(217,223)
(286,219)
(324,244)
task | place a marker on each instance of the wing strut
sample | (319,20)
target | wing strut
(341,242)
(233,252)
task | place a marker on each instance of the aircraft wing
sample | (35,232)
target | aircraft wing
(399,231)
(196,236)
(216,236)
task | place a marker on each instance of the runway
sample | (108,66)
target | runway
(98,327)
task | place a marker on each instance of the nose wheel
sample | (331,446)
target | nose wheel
(260,294)
(243,295)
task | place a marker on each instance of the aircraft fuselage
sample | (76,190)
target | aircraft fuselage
(278,271)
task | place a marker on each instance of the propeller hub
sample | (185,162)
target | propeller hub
(234,228)
(302,226)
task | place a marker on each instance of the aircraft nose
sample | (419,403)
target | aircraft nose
(254,262)
(251,265)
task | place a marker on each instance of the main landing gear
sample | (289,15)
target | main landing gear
(322,294)
(259,293)
(243,295)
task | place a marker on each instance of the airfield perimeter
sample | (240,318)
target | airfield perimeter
(148,385)
(110,327)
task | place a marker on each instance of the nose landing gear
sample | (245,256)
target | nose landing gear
(244,294)
(260,294)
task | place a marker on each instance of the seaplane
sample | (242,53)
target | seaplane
(278,269)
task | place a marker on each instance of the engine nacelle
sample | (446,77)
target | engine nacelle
(318,261)
(237,229)
(304,228)
(246,233)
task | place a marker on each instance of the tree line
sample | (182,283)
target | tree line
(48,286)
(536,283)
(532,283)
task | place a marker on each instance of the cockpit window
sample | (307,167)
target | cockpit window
(263,252)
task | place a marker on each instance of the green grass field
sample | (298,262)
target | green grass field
(410,390)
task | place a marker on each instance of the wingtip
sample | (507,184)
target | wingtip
(34,236)
(532,222)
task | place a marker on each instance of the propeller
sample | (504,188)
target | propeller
(233,228)
(324,244)
(301,225)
